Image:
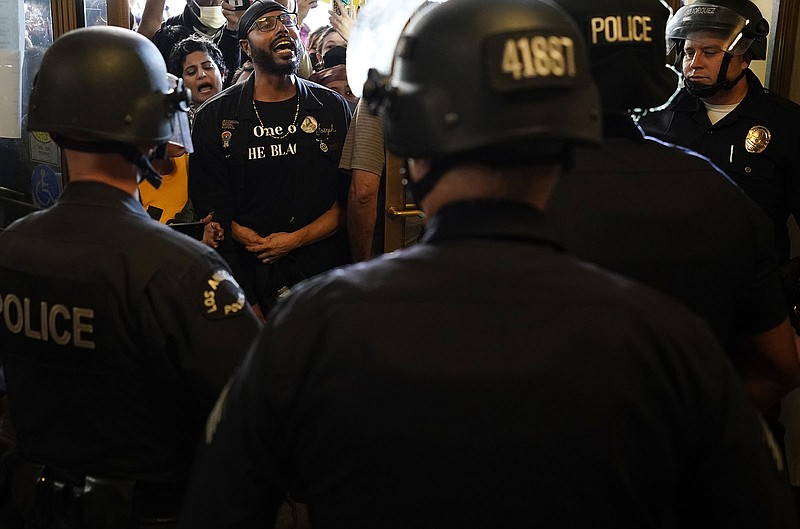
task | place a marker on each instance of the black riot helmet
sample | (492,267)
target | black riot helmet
(736,26)
(496,77)
(106,89)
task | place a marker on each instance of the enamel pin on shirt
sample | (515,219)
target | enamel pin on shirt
(309,125)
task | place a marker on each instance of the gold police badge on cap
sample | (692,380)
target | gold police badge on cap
(757,139)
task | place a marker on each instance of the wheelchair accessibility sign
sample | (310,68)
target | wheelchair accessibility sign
(45,186)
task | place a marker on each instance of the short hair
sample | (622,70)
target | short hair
(167,37)
(190,45)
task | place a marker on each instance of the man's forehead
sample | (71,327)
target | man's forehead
(272,13)
(704,38)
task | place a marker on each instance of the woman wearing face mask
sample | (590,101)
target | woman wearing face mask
(214,19)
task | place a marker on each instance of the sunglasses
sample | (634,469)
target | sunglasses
(268,23)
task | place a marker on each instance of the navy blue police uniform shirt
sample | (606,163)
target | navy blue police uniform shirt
(667,217)
(531,390)
(756,144)
(253,169)
(116,335)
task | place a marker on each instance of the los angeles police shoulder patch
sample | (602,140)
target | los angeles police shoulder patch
(222,296)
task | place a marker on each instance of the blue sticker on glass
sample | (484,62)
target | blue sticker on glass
(45,186)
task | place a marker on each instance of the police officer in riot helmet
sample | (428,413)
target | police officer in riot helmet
(720,240)
(730,34)
(534,390)
(723,112)
(117,332)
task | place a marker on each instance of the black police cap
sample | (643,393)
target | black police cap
(256,11)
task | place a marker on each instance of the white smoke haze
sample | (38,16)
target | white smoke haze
(374,38)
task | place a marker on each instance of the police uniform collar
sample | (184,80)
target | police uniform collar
(491,219)
(100,195)
(685,102)
(754,103)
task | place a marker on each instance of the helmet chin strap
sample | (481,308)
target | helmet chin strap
(421,188)
(703,91)
(129,152)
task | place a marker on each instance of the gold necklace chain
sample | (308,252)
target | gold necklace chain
(291,129)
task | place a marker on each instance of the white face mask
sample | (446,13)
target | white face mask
(212,17)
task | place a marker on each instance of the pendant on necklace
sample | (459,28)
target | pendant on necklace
(274,133)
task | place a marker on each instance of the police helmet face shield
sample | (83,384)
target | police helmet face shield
(469,76)
(181,98)
(107,84)
(722,26)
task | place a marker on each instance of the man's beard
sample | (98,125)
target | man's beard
(264,60)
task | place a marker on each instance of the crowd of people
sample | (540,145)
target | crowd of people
(597,326)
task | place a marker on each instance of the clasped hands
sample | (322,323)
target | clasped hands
(267,249)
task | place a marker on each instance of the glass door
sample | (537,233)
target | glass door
(404,220)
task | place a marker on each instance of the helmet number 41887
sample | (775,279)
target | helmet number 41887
(539,56)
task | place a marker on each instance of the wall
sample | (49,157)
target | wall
(794,94)
(768,8)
